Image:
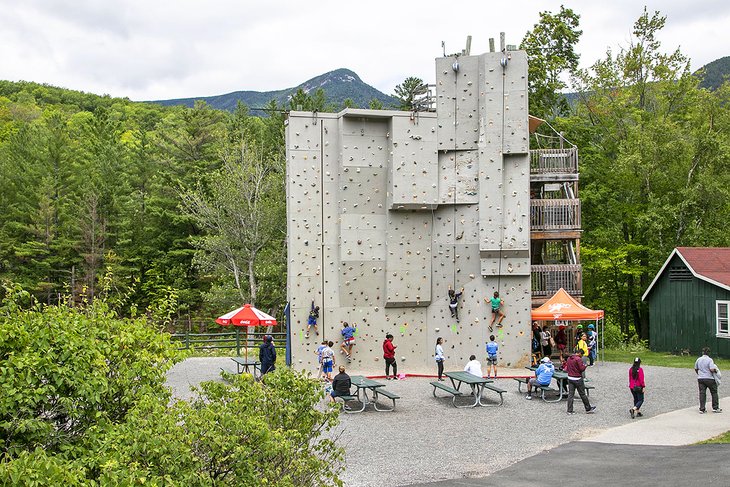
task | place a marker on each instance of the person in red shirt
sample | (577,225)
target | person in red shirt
(575,368)
(389,356)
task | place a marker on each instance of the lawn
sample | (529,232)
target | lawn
(723,438)
(659,358)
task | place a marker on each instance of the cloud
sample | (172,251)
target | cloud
(169,49)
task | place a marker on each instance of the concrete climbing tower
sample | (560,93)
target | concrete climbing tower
(387,209)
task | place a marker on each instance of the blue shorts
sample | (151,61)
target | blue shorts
(327,366)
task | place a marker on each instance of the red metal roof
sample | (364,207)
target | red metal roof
(713,263)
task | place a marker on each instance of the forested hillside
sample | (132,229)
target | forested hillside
(103,196)
(179,211)
(654,159)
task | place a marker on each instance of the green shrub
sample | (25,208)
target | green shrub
(83,402)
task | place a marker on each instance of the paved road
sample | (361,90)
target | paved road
(588,464)
(655,451)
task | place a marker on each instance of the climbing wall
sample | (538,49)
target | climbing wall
(387,209)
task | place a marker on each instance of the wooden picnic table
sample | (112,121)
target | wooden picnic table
(243,364)
(477,384)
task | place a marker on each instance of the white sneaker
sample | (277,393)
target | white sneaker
(528,397)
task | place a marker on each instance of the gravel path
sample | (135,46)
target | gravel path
(427,439)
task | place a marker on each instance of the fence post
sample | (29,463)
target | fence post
(187,339)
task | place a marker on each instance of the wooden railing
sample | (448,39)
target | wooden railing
(563,214)
(554,161)
(547,279)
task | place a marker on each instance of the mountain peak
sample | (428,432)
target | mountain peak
(338,85)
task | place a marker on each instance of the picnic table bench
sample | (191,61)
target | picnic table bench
(478,384)
(244,364)
(363,385)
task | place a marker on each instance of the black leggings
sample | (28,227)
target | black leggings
(440,365)
(388,363)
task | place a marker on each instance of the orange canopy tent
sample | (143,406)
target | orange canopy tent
(563,307)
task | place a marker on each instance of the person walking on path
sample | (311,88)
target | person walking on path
(575,368)
(636,385)
(439,354)
(492,349)
(389,356)
(267,355)
(454,302)
(706,369)
(497,305)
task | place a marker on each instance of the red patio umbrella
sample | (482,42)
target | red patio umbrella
(246,316)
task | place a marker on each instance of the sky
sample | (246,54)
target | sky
(162,49)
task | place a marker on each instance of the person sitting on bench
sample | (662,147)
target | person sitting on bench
(543,376)
(340,385)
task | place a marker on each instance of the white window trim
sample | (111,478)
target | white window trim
(718,333)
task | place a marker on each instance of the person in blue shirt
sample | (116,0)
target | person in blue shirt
(543,376)
(348,339)
(492,349)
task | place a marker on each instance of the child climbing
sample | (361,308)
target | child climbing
(454,302)
(312,320)
(497,304)
(348,339)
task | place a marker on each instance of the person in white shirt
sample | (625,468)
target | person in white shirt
(439,354)
(705,369)
(474,368)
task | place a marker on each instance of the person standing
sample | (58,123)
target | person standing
(561,339)
(545,337)
(592,344)
(492,350)
(389,356)
(575,368)
(582,348)
(636,384)
(705,368)
(328,361)
(267,355)
(439,358)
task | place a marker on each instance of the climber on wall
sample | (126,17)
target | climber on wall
(454,302)
(312,320)
(497,304)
